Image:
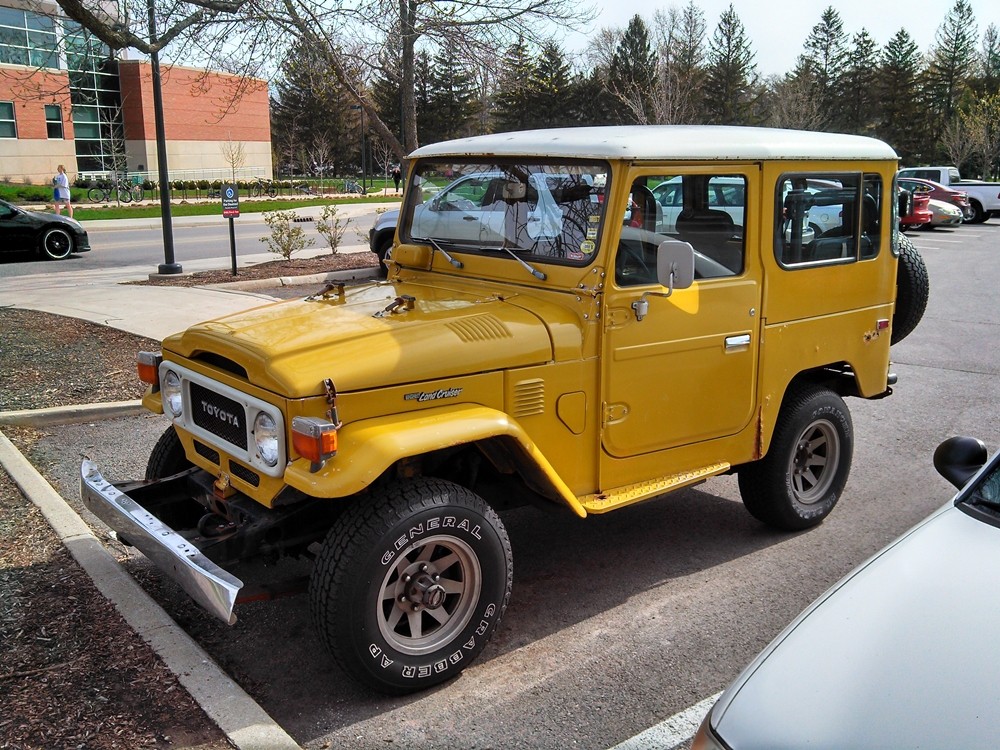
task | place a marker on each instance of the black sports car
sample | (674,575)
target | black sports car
(53,236)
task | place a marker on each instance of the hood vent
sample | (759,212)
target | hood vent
(479,328)
(529,397)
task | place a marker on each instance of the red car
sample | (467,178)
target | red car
(921,213)
(938,192)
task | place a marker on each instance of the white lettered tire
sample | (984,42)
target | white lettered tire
(411,584)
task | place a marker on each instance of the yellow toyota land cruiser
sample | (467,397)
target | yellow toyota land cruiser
(580,319)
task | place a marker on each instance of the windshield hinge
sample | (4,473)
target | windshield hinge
(612,413)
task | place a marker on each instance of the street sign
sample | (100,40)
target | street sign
(230,201)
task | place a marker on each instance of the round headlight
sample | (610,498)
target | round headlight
(171,388)
(265,434)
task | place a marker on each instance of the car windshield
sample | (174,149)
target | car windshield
(545,211)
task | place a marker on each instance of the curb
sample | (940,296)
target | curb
(315,278)
(71,414)
(244,722)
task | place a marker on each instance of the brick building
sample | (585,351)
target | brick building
(65,99)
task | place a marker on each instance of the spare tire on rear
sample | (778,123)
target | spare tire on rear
(912,289)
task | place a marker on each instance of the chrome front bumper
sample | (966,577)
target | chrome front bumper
(208,584)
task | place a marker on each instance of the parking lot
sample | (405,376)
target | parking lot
(618,622)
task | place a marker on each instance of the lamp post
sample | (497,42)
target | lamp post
(364,163)
(169,266)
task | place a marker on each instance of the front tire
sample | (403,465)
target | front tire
(56,244)
(410,586)
(384,246)
(799,481)
(979,214)
(167,457)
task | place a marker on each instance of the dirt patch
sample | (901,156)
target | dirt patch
(72,672)
(272,269)
(50,360)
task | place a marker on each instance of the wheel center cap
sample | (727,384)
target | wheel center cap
(425,591)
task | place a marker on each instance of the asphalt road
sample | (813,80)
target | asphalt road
(133,247)
(620,621)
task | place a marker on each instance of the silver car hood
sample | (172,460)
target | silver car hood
(907,655)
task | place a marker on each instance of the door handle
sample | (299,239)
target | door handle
(469,218)
(735,342)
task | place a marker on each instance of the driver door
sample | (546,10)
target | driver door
(686,372)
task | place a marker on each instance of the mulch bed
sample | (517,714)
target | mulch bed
(271,269)
(73,674)
(50,360)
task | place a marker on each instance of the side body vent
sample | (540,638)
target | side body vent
(479,328)
(529,397)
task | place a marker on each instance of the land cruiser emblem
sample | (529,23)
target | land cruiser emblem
(432,395)
(218,413)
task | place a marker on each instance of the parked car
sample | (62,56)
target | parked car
(984,197)
(958,198)
(944,214)
(380,237)
(920,215)
(531,344)
(901,653)
(51,236)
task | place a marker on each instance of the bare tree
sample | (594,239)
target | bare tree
(793,103)
(383,156)
(319,154)
(958,140)
(234,153)
(983,126)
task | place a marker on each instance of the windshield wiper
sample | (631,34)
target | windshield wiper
(433,243)
(537,274)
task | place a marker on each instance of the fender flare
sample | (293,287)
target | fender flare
(368,447)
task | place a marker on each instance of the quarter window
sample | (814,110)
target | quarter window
(822,219)
(8,128)
(53,120)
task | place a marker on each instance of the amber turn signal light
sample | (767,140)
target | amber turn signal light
(314,439)
(149,367)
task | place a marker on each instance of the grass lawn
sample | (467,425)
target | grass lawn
(209,209)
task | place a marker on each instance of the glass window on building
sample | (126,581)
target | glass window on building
(96,99)
(53,120)
(28,38)
(8,128)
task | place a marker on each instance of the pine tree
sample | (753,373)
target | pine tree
(385,88)
(590,101)
(689,56)
(450,98)
(731,74)
(633,72)
(898,96)
(510,111)
(826,53)
(952,62)
(426,122)
(859,98)
(989,62)
(549,93)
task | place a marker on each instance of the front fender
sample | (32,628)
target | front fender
(368,447)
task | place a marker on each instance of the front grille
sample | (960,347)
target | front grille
(205,452)
(219,415)
(250,477)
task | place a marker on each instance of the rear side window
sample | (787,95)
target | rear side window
(824,219)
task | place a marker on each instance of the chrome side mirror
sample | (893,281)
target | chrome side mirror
(674,270)
(958,459)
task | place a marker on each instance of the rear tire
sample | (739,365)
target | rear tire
(912,290)
(979,214)
(167,457)
(410,585)
(56,244)
(799,481)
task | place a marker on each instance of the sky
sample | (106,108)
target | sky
(777,28)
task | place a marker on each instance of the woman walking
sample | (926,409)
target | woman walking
(61,182)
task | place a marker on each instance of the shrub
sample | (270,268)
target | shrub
(330,227)
(204,184)
(286,238)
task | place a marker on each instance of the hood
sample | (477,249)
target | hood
(58,218)
(900,654)
(291,347)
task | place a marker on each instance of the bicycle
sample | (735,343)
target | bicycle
(350,186)
(261,188)
(126,192)
(304,188)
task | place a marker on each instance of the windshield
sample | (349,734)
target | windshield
(550,212)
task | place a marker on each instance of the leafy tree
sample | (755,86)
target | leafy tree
(826,54)
(512,99)
(897,88)
(952,62)
(633,72)
(858,89)
(731,74)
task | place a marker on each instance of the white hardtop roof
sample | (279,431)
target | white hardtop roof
(666,143)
